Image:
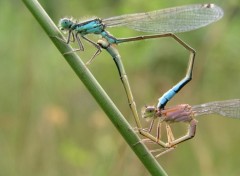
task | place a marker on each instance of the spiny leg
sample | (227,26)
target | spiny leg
(170,137)
(149,129)
(159,130)
(167,149)
(94,44)
(158,138)
(80,44)
(70,33)
(169,134)
(81,47)
(151,125)
(165,146)
(153,138)
(190,133)
(76,37)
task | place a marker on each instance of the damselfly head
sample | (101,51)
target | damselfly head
(149,112)
(65,23)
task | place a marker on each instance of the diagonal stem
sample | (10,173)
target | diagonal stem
(95,89)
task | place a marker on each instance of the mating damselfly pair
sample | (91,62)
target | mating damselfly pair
(162,23)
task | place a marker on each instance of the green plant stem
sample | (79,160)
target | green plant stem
(95,89)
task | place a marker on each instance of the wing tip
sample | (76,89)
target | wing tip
(216,8)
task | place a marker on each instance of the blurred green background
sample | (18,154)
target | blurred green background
(51,126)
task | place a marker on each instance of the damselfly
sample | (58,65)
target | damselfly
(160,22)
(166,96)
(186,113)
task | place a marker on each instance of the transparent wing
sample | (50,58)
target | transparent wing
(228,108)
(171,20)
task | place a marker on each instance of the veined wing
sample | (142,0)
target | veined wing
(227,108)
(171,20)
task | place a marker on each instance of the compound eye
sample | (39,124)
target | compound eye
(150,110)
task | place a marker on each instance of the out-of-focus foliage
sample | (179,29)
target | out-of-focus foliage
(51,126)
